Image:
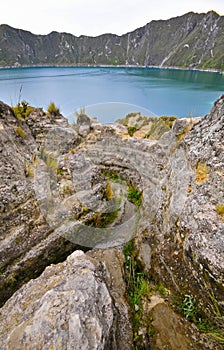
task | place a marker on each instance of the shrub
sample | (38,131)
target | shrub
(52,109)
(22,110)
(131,130)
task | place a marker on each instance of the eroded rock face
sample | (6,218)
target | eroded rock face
(113,262)
(27,242)
(178,229)
(186,239)
(67,307)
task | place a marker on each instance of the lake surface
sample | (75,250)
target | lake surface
(112,92)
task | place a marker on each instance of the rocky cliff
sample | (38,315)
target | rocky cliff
(193,40)
(143,199)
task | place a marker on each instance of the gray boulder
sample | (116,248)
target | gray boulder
(67,307)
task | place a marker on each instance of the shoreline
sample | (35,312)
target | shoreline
(113,66)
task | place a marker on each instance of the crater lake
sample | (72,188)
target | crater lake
(109,93)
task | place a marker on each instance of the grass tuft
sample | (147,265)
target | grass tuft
(202,173)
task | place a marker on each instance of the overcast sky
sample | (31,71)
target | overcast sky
(94,17)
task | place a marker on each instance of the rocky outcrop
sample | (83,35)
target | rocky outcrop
(28,244)
(193,40)
(68,307)
(185,239)
(98,187)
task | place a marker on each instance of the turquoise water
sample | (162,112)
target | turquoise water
(111,92)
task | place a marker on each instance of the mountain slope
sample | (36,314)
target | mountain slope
(192,40)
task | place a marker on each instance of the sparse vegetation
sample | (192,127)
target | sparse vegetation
(202,173)
(158,128)
(133,114)
(190,309)
(50,161)
(67,190)
(105,219)
(168,120)
(20,132)
(220,208)
(138,290)
(112,176)
(193,310)
(80,112)
(108,191)
(30,171)
(162,290)
(22,110)
(134,196)
(131,130)
(53,109)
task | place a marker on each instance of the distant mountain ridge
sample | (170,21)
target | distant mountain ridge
(189,41)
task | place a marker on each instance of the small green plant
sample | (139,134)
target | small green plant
(131,130)
(20,132)
(168,120)
(22,110)
(60,171)
(215,304)
(217,335)
(67,190)
(194,312)
(134,196)
(138,290)
(162,290)
(141,288)
(30,171)
(107,219)
(189,308)
(220,208)
(53,110)
(112,176)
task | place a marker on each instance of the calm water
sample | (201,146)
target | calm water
(110,93)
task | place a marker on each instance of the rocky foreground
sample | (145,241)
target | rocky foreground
(112,237)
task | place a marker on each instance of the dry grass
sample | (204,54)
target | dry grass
(202,173)
(220,210)
(20,132)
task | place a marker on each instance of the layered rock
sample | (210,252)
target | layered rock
(186,237)
(28,244)
(68,307)
(63,188)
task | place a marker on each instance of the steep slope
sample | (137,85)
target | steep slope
(59,191)
(192,40)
